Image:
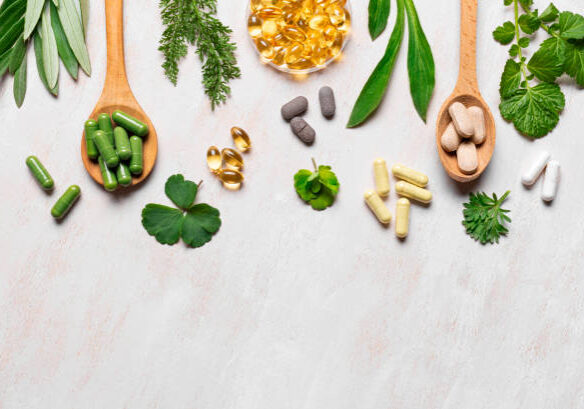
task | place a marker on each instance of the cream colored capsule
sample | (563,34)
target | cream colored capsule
(381,177)
(468,160)
(402,218)
(461,119)
(409,175)
(478,119)
(450,139)
(413,192)
(377,206)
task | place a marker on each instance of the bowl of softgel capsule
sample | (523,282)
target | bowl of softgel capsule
(299,36)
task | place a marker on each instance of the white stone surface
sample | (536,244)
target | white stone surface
(287,307)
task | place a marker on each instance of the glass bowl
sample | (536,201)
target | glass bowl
(298,36)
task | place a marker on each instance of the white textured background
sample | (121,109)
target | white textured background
(287,307)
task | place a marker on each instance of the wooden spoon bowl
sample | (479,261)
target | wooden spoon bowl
(467,92)
(117,94)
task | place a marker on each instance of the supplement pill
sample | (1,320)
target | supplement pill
(296,107)
(214,160)
(65,202)
(91,127)
(232,158)
(104,124)
(413,192)
(477,117)
(302,130)
(106,149)
(122,141)
(536,166)
(240,139)
(40,173)
(461,119)
(110,183)
(328,106)
(402,218)
(551,180)
(254,26)
(409,175)
(136,161)
(123,175)
(130,124)
(450,139)
(381,176)
(468,160)
(231,178)
(377,206)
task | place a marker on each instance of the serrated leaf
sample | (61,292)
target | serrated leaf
(162,222)
(526,4)
(201,223)
(514,50)
(378,16)
(484,218)
(511,79)
(546,64)
(523,42)
(71,22)
(505,33)
(550,14)
(529,23)
(38,52)
(17,55)
(571,25)
(50,52)
(182,192)
(34,9)
(574,61)
(65,51)
(19,86)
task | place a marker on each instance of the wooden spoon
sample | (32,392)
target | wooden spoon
(467,92)
(117,94)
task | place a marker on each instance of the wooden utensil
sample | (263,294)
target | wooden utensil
(117,94)
(467,92)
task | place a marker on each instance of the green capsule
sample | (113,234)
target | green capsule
(131,124)
(106,150)
(110,183)
(65,202)
(124,175)
(90,128)
(137,161)
(40,172)
(105,124)
(122,143)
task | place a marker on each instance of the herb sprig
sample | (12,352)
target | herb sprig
(318,188)
(484,219)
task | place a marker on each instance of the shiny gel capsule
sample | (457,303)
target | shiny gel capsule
(65,202)
(377,206)
(413,192)
(409,175)
(130,124)
(40,173)
(402,218)
(381,177)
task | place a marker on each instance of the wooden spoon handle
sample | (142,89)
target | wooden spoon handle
(467,74)
(115,79)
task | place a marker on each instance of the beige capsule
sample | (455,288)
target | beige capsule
(409,175)
(381,176)
(377,206)
(468,160)
(450,139)
(461,119)
(478,119)
(402,218)
(413,192)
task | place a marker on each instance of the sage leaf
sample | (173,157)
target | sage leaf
(374,89)
(420,63)
(63,46)
(10,35)
(34,8)
(50,53)
(17,55)
(378,16)
(4,62)
(19,86)
(38,53)
(84,5)
(74,31)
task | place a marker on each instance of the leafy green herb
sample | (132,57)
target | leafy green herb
(484,219)
(534,108)
(193,22)
(19,86)
(50,52)
(378,15)
(318,188)
(65,51)
(195,223)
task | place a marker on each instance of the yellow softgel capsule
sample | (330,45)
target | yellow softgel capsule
(336,14)
(240,138)
(265,48)
(301,64)
(231,178)
(214,159)
(409,175)
(294,53)
(337,45)
(381,176)
(318,22)
(318,55)
(254,26)
(270,12)
(280,55)
(402,218)
(377,206)
(413,192)
(232,158)
(269,28)
(294,34)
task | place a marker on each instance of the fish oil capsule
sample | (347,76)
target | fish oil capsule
(335,48)
(294,53)
(409,175)
(318,22)
(254,26)
(536,166)
(122,141)
(294,108)
(40,173)
(130,123)
(270,12)
(104,124)
(290,17)
(106,149)
(377,206)
(232,158)
(214,160)
(346,26)
(477,117)
(279,57)
(123,175)
(450,139)
(255,5)
(240,139)
(461,119)
(329,34)
(137,159)
(265,48)
(551,180)
(280,40)
(66,202)
(231,178)
(326,97)
(110,182)
(303,130)
(402,218)
(269,28)
(413,192)
(319,55)
(381,177)
(294,34)
(301,64)
(302,24)
(468,159)
(336,14)
(90,127)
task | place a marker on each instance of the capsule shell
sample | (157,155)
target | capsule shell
(532,172)
(468,159)
(104,124)
(123,175)
(402,218)
(214,160)
(381,176)
(40,173)
(461,119)
(409,175)
(110,182)
(328,106)
(65,202)
(450,139)
(91,127)
(240,139)
(551,181)
(413,192)
(303,130)
(377,206)
(122,141)
(137,160)
(478,119)
(130,124)
(232,158)
(296,107)
(106,149)
(231,178)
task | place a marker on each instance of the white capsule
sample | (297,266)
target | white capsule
(450,139)
(551,180)
(478,120)
(536,166)
(461,119)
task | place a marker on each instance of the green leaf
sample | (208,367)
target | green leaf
(324,199)
(328,178)
(378,15)
(511,79)
(571,25)
(420,63)
(505,33)
(514,50)
(17,55)
(534,111)
(73,28)
(484,219)
(9,34)
(182,192)
(11,14)
(529,23)
(507,2)
(523,42)
(574,61)
(65,51)
(375,87)
(550,14)
(318,188)
(19,86)
(56,3)
(84,6)
(201,223)
(301,180)
(38,52)
(526,4)
(162,222)
(4,62)
(546,64)
(34,9)
(50,53)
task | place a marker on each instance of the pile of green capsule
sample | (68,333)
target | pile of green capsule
(119,150)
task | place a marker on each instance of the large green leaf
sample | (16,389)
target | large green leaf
(4,62)
(34,9)
(17,55)
(378,16)
(65,51)
(20,84)
(73,28)
(11,14)
(574,62)
(50,53)
(10,35)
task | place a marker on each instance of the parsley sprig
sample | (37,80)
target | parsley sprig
(484,218)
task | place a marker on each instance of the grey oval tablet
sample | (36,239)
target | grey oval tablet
(302,130)
(296,107)
(328,106)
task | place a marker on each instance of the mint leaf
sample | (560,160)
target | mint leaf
(546,64)
(550,14)
(511,79)
(162,222)
(201,222)
(571,25)
(504,34)
(529,23)
(182,192)
(574,61)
